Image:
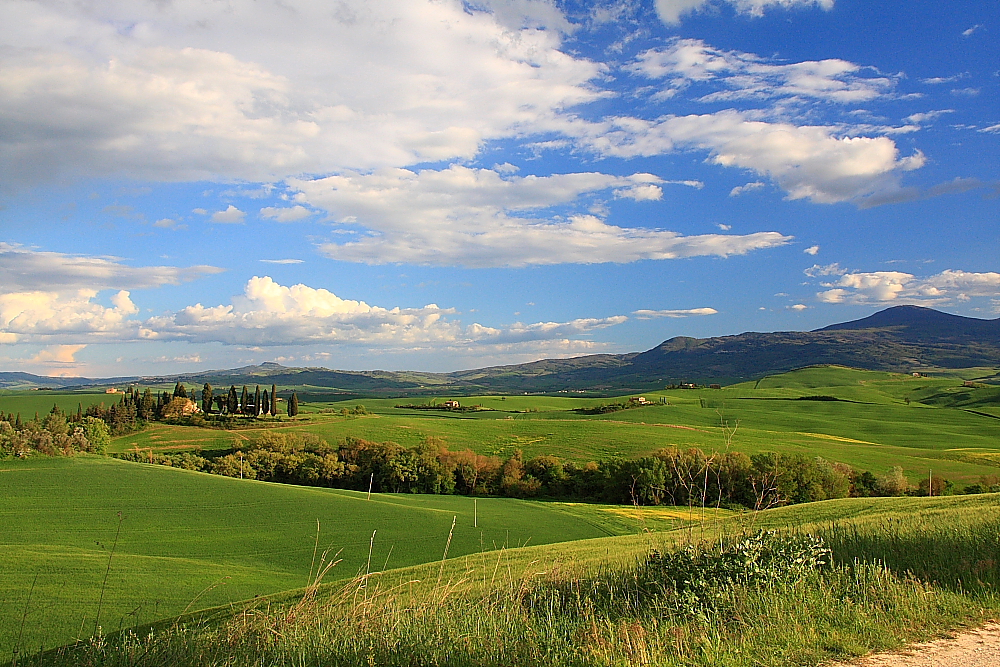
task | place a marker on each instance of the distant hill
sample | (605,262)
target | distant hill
(10,380)
(902,338)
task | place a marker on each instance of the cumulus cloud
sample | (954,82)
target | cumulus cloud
(130,88)
(808,162)
(231,216)
(270,314)
(285,213)
(690,312)
(23,269)
(478,218)
(685,62)
(671,11)
(45,315)
(57,354)
(812,250)
(897,286)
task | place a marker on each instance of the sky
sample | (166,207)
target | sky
(439,185)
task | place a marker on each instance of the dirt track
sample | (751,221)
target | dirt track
(971,648)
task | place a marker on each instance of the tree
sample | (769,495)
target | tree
(245,401)
(206,398)
(274,400)
(97,432)
(256,402)
(293,405)
(180,390)
(232,405)
(265,406)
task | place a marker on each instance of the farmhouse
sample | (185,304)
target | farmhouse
(451,404)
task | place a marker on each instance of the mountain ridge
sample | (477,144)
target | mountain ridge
(901,338)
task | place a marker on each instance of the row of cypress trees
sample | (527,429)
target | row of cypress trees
(261,403)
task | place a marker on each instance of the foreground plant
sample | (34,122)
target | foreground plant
(762,598)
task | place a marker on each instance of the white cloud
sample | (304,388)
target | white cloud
(743,189)
(136,89)
(671,11)
(685,62)
(270,314)
(829,270)
(812,250)
(936,80)
(690,312)
(992,128)
(168,223)
(724,227)
(808,162)
(57,354)
(285,213)
(477,218)
(969,31)
(282,261)
(798,307)
(46,315)
(22,269)
(928,116)
(231,216)
(896,286)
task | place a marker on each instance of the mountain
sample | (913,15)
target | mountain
(902,339)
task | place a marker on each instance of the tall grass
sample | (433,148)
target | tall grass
(888,582)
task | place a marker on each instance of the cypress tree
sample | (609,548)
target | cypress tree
(256,402)
(293,405)
(79,412)
(232,406)
(265,405)
(206,398)
(17,422)
(274,400)
(245,401)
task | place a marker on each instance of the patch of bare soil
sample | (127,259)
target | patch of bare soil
(970,648)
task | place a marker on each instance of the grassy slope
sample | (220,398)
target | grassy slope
(183,532)
(871,427)
(472,610)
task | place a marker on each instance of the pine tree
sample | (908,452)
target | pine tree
(293,405)
(274,400)
(256,402)
(206,398)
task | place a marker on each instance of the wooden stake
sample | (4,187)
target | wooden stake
(475,506)
(370,483)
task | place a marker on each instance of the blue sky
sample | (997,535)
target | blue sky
(437,185)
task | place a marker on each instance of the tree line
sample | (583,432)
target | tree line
(670,476)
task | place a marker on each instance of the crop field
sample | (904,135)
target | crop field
(188,538)
(27,403)
(944,427)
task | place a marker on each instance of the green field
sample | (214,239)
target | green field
(27,403)
(904,569)
(945,427)
(183,532)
